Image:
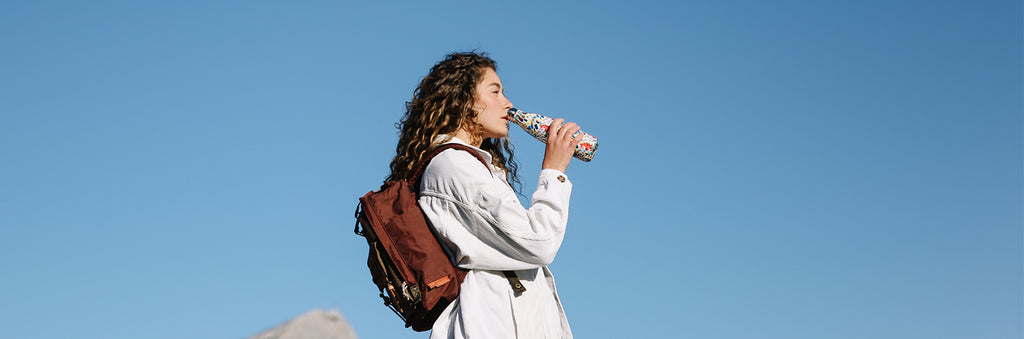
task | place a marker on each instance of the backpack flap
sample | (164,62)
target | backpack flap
(406,259)
(421,275)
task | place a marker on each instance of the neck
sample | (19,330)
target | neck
(464,135)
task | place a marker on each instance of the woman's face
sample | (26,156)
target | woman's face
(492,106)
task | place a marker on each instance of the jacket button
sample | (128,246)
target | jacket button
(561,178)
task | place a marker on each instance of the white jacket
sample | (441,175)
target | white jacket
(480,219)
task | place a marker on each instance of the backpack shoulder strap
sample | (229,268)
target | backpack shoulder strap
(418,173)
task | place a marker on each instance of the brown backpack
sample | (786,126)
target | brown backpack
(410,268)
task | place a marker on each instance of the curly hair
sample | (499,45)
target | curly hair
(443,103)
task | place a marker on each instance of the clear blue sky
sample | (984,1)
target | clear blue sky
(787,169)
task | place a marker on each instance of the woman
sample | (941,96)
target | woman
(475,210)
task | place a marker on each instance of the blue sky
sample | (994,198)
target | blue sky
(789,169)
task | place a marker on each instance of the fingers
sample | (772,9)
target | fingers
(576,137)
(562,141)
(560,131)
(570,134)
(555,126)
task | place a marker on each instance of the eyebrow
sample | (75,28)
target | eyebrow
(494,84)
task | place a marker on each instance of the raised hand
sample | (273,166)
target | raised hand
(561,145)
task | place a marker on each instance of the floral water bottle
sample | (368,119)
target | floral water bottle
(537,126)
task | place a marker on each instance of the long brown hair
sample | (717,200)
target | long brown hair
(443,103)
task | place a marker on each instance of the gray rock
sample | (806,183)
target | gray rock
(315,324)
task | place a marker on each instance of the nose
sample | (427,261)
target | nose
(508,103)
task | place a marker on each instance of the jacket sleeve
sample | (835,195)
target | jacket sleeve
(480,220)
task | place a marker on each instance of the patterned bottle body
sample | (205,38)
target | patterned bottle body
(537,126)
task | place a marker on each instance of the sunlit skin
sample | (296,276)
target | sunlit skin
(492,107)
